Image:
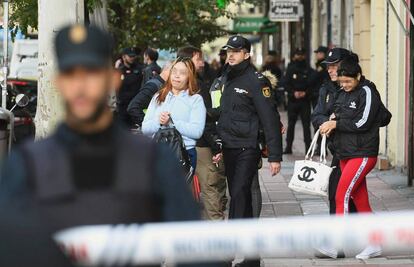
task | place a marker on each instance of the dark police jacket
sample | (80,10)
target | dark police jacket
(60,181)
(299,77)
(325,107)
(210,135)
(320,75)
(246,103)
(141,101)
(357,116)
(131,83)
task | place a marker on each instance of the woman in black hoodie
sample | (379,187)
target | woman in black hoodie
(356,125)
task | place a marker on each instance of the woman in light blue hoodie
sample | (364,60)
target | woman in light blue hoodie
(179,101)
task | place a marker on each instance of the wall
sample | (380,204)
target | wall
(396,87)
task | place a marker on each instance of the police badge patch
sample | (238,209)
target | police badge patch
(266,92)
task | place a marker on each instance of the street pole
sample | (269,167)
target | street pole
(5,53)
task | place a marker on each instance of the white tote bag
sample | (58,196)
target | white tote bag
(312,177)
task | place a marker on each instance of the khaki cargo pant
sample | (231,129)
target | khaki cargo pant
(213,185)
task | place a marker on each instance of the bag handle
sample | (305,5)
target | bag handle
(323,150)
(312,147)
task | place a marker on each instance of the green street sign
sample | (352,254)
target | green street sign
(254,25)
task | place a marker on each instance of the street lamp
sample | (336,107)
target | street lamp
(5,53)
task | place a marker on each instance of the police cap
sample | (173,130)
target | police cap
(130,51)
(322,49)
(86,46)
(336,55)
(238,42)
(299,51)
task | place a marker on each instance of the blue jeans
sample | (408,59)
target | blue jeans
(192,153)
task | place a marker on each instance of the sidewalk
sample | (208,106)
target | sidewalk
(387,192)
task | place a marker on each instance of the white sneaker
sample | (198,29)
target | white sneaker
(369,252)
(328,252)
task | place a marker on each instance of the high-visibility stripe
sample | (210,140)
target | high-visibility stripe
(353,182)
(215,98)
(367,109)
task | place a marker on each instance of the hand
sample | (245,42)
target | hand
(283,129)
(332,117)
(217,158)
(299,94)
(327,127)
(164,118)
(274,168)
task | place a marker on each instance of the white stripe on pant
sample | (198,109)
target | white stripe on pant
(353,182)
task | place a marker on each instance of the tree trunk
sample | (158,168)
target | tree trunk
(52,16)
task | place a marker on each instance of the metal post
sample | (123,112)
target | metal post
(5,53)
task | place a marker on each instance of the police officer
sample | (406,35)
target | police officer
(132,77)
(246,103)
(321,73)
(298,83)
(90,171)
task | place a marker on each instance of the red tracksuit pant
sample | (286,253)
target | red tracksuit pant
(353,184)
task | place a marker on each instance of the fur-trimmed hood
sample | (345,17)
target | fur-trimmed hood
(271,77)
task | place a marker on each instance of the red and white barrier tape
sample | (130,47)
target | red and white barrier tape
(213,241)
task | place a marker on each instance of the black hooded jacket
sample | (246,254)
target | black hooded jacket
(357,115)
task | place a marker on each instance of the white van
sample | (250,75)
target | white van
(24,60)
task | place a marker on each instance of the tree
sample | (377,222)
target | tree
(142,23)
(155,23)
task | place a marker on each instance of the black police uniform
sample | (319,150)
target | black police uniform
(298,78)
(245,103)
(328,94)
(132,77)
(73,179)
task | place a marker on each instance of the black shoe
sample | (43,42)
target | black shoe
(341,254)
(287,151)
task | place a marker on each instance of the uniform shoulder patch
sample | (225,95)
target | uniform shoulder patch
(259,75)
(266,92)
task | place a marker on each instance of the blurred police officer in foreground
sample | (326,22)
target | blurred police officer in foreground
(132,77)
(321,73)
(322,112)
(90,171)
(298,84)
(246,103)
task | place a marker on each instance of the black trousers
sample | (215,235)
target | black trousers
(296,109)
(241,171)
(333,185)
(241,168)
(256,196)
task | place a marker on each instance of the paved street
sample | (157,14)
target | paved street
(387,191)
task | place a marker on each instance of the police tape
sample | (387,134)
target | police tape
(221,241)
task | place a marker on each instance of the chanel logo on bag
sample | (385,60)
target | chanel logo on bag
(306,175)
